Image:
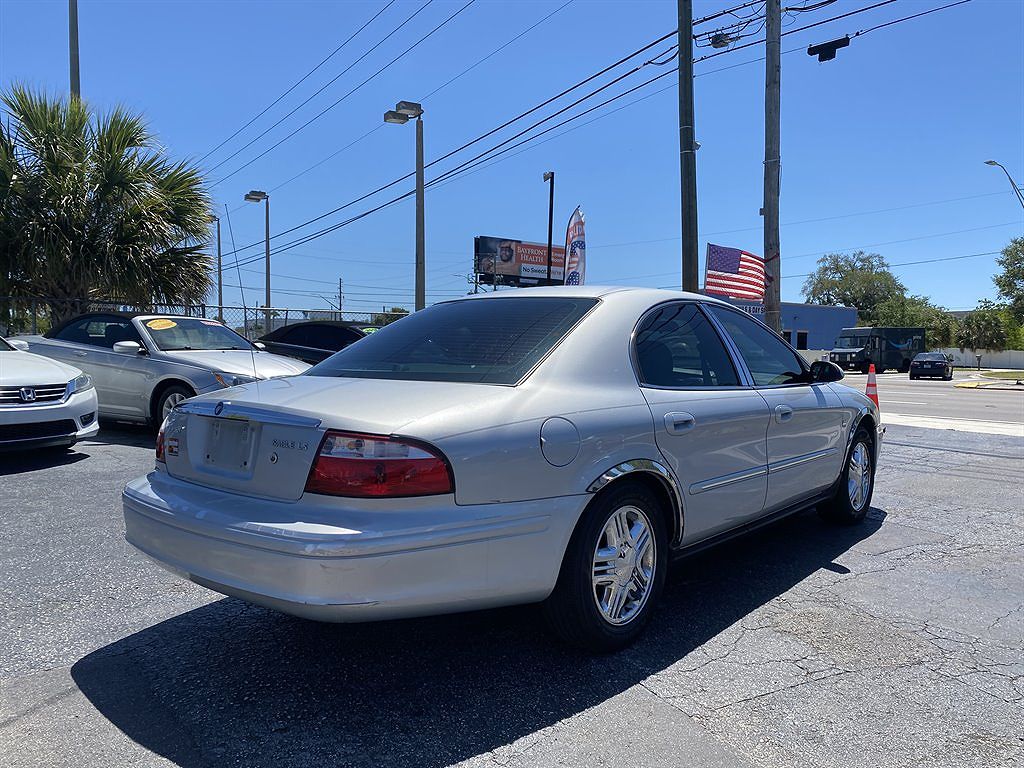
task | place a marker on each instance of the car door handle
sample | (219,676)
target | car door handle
(783,413)
(81,354)
(677,423)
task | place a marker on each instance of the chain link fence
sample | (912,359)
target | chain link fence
(21,315)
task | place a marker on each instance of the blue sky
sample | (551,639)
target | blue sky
(882,149)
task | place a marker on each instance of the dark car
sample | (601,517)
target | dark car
(932,365)
(315,340)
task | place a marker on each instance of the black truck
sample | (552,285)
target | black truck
(857,348)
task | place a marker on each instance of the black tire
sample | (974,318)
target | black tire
(904,366)
(572,609)
(879,371)
(841,508)
(864,367)
(176,391)
(912,377)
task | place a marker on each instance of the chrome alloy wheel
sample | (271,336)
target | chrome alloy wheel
(858,483)
(170,401)
(624,562)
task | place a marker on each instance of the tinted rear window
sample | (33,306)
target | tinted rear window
(489,341)
(931,356)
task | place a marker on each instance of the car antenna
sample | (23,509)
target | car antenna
(241,290)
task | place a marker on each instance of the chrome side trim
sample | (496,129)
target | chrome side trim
(778,466)
(650,467)
(229,410)
(735,477)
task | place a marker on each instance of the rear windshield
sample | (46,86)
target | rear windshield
(488,341)
(931,356)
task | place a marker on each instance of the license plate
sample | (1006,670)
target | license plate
(229,445)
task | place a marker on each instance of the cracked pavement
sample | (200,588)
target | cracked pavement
(894,643)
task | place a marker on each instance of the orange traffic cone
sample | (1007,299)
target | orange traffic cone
(871,390)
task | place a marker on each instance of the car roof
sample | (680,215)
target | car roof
(116,313)
(592,291)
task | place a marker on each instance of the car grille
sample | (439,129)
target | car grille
(45,393)
(38,430)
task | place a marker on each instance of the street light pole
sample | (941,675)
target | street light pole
(257,196)
(400,115)
(220,275)
(1016,189)
(421,244)
(550,177)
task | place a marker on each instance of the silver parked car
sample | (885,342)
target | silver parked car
(43,403)
(143,365)
(552,444)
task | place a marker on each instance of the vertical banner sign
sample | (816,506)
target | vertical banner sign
(575,250)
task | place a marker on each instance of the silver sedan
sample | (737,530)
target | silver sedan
(555,445)
(144,365)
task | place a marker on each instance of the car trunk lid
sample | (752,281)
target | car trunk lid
(261,439)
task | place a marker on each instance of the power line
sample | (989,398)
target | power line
(798,29)
(441,87)
(299,82)
(468,144)
(908,18)
(327,109)
(911,263)
(463,167)
(485,156)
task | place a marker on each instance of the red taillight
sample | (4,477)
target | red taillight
(373,466)
(160,445)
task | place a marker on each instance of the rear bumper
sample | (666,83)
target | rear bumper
(419,557)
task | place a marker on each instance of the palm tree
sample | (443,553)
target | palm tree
(92,208)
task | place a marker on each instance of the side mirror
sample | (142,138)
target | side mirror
(823,371)
(128,347)
(18,344)
(259,345)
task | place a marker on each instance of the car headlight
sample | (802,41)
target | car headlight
(82,383)
(232,380)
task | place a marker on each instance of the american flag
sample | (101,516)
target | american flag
(575,250)
(734,273)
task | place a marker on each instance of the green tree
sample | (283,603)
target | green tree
(861,280)
(918,312)
(983,328)
(92,208)
(383,318)
(1010,281)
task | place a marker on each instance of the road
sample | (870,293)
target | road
(894,643)
(934,399)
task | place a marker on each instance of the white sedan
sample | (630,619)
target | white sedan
(551,444)
(43,403)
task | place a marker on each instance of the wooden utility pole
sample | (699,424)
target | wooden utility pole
(772,162)
(687,147)
(76,85)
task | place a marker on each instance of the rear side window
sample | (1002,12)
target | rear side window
(676,346)
(99,331)
(767,357)
(488,341)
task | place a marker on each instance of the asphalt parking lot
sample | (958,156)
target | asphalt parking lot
(895,643)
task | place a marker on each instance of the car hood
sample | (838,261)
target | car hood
(240,362)
(425,409)
(25,369)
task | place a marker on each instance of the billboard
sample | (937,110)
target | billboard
(503,261)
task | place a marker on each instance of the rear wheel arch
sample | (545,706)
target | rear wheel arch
(654,477)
